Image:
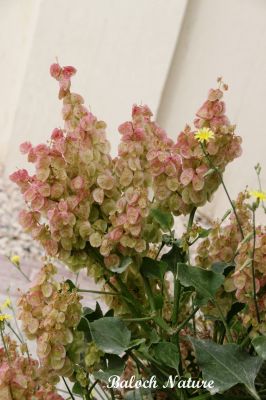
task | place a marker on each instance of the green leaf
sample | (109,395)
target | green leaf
(83,326)
(158,301)
(222,267)
(204,233)
(163,218)
(167,353)
(175,255)
(206,283)
(152,268)
(259,344)
(115,366)
(226,365)
(92,315)
(110,334)
(77,388)
(70,284)
(234,310)
(136,343)
(125,263)
(109,313)
(153,336)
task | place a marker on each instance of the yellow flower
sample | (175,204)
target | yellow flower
(6,303)
(258,195)
(4,317)
(15,260)
(204,135)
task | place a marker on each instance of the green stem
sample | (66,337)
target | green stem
(184,323)
(245,342)
(253,268)
(16,323)
(112,394)
(138,319)
(22,273)
(66,392)
(8,359)
(191,218)
(19,338)
(5,347)
(98,292)
(68,389)
(162,324)
(260,186)
(15,333)
(225,189)
(228,333)
(92,387)
(149,294)
(177,292)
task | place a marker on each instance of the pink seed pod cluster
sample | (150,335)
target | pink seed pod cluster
(73,191)
(80,198)
(196,188)
(130,223)
(22,378)
(225,244)
(224,238)
(243,280)
(50,313)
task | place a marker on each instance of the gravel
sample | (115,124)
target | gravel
(13,240)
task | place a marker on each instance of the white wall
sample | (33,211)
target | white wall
(135,51)
(222,38)
(17,19)
(121,48)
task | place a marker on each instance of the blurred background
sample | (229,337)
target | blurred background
(166,54)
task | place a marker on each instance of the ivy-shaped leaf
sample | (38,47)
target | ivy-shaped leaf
(205,282)
(83,326)
(167,353)
(93,315)
(174,256)
(110,334)
(226,365)
(151,268)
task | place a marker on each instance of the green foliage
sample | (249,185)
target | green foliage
(206,283)
(110,335)
(164,219)
(226,365)
(114,366)
(259,344)
(153,269)
(167,354)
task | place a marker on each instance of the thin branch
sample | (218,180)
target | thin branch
(68,389)
(253,268)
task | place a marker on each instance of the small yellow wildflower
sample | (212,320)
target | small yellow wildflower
(15,260)
(258,195)
(5,317)
(204,135)
(6,303)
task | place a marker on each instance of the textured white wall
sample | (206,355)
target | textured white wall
(222,38)
(134,51)
(17,23)
(121,48)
